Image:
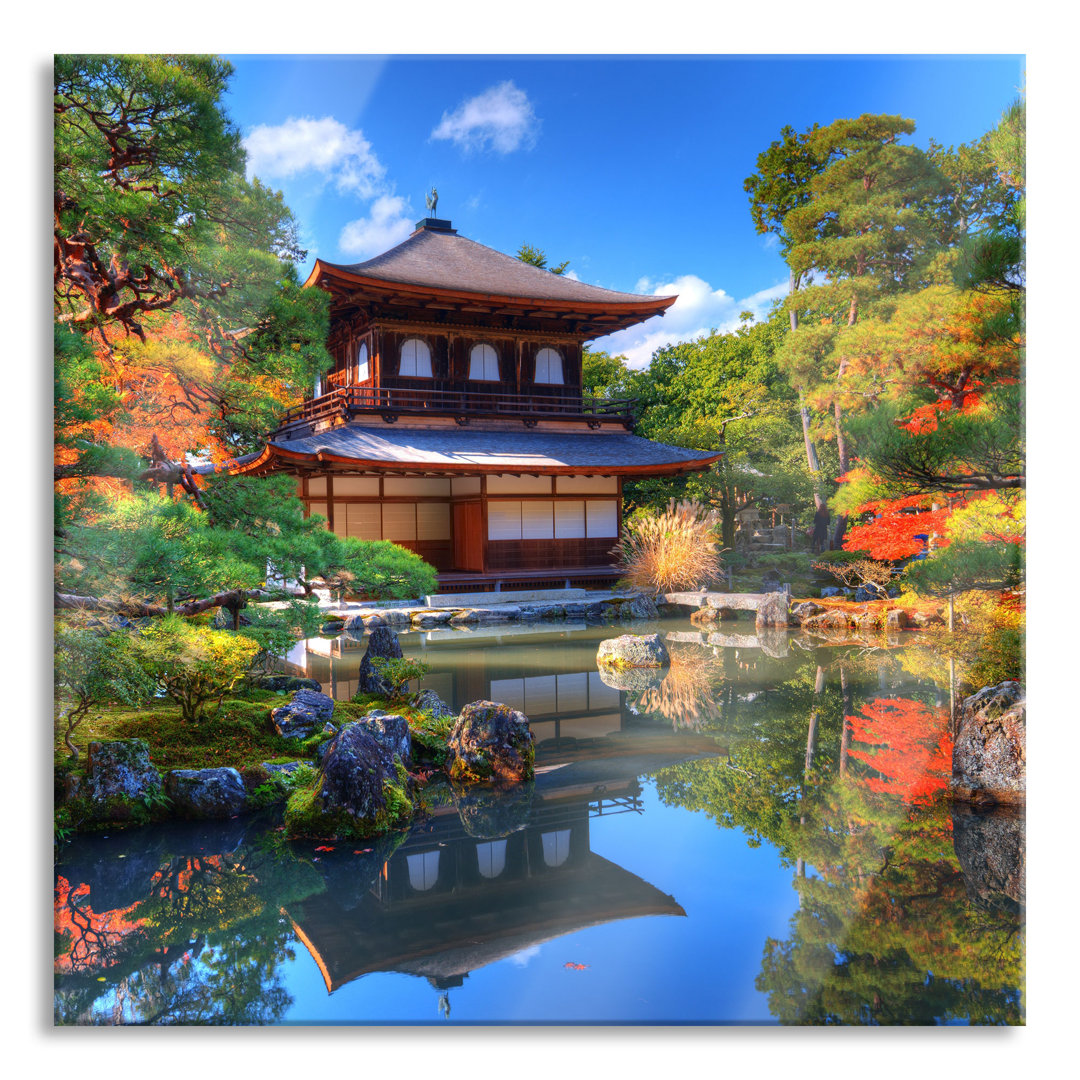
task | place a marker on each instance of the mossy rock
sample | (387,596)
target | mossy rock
(491,741)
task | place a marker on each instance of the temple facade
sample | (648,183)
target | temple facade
(453,421)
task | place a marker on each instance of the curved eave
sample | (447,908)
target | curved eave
(327,275)
(276,458)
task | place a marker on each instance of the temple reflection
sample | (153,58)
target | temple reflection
(477,884)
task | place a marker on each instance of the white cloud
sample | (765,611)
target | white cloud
(388,224)
(522,958)
(699,309)
(326,147)
(571,274)
(501,118)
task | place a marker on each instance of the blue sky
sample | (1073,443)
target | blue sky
(631,168)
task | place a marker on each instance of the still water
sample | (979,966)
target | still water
(759,836)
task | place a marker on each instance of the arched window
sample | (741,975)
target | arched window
(362,363)
(549,367)
(415,359)
(483,363)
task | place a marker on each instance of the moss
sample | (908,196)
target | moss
(304,816)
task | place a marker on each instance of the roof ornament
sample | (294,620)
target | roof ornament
(432,201)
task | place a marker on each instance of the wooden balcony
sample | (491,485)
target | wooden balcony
(462,404)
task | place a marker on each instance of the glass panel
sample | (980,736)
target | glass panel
(362,362)
(540,695)
(432,521)
(537,520)
(602,517)
(549,367)
(510,692)
(504,520)
(415,358)
(399,521)
(573,692)
(483,363)
(601,696)
(569,520)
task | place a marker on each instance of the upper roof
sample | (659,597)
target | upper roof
(437,258)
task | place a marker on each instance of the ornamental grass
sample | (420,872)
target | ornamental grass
(672,550)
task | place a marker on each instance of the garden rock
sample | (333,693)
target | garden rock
(491,812)
(829,590)
(866,593)
(896,619)
(633,651)
(356,767)
(120,769)
(390,731)
(828,622)
(641,607)
(773,610)
(284,768)
(491,741)
(990,751)
(206,793)
(332,626)
(303,715)
(800,612)
(431,702)
(382,644)
(223,619)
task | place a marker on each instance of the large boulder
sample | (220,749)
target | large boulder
(391,731)
(491,741)
(491,811)
(120,770)
(990,750)
(302,716)
(635,681)
(773,610)
(801,612)
(287,682)
(633,651)
(382,644)
(359,790)
(206,793)
(834,621)
(640,607)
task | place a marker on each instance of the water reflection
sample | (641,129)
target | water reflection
(831,762)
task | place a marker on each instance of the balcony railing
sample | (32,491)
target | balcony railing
(462,404)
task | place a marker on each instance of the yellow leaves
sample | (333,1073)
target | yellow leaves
(990,518)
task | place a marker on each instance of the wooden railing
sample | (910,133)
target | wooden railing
(391,402)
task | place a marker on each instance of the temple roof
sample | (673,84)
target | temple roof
(472,451)
(439,259)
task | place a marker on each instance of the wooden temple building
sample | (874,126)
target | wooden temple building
(453,421)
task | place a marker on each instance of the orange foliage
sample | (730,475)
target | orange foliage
(907,743)
(891,535)
(94,935)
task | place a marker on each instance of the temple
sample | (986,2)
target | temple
(453,421)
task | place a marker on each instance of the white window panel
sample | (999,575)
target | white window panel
(573,691)
(556,847)
(399,521)
(423,870)
(362,519)
(504,520)
(569,520)
(587,485)
(424,485)
(601,696)
(465,485)
(537,522)
(356,485)
(483,363)
(505,484)
(602,517)
(319,508)
(415,359)
(432,521)
(549,368)
(509,691)
(491,858)
(362,373)
(317,485)
(540,695)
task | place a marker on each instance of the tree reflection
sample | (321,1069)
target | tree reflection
(205,944)
(852,795)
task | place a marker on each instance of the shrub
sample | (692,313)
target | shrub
(398,671)
(672,550)
(94,669)
(194,665)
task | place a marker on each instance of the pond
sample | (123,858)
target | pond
(760,837)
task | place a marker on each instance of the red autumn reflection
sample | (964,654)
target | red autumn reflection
(94,935)
(907,743)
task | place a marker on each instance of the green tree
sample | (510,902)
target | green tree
(535,257)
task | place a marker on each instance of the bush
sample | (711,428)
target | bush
(194,665)
(94,669)
(672,550)
(398,671)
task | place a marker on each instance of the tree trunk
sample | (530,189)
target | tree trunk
(804,414)
(845,735)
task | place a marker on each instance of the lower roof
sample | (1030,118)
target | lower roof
(387,449)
